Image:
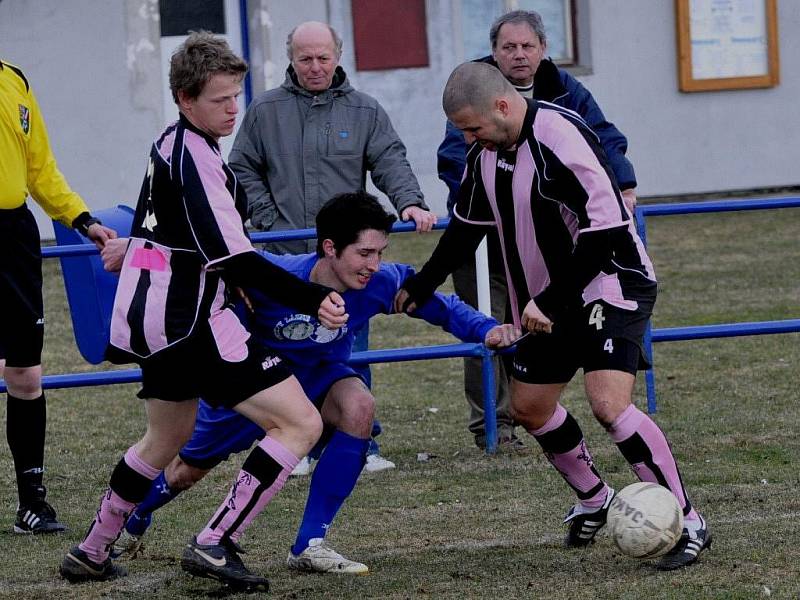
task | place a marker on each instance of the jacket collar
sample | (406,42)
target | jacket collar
(547,84)
(340,84)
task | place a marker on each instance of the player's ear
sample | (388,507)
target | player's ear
(328,248)
(502,106)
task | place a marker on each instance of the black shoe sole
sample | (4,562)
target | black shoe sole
(20,531)
(74,574)
(239,585)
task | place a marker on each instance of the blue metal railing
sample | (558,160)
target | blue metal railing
(673,334)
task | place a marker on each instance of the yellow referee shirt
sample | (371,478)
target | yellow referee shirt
(27,165)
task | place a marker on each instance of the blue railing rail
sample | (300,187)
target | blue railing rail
(674,334)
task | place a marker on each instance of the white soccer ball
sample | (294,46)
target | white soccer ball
(645,520)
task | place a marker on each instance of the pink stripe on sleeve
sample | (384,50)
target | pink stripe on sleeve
(212,175)
(566,142)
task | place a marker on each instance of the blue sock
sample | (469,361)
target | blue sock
(160,494)
(333,481)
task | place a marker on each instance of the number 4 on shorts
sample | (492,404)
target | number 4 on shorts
(596,317)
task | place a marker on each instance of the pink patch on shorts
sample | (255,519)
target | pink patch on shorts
(150,259)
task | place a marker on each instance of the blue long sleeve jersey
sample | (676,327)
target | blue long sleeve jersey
(302,339)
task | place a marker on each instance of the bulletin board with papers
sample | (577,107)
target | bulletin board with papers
(727,44)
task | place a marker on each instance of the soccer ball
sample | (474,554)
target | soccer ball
(645,520)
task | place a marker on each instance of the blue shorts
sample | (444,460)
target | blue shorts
(220,432)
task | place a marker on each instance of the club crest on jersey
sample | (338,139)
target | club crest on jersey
(299,327)
(24,118)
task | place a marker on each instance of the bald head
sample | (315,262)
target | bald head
(313,33)
(474,85)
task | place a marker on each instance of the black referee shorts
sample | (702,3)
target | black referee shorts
(21,306)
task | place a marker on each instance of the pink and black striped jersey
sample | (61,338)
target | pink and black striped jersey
(554,187)
(189,217)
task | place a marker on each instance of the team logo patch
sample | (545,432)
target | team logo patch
(24,118)
(297,327)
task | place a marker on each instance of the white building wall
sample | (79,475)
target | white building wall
(94,67)
(101,115)
(703,141)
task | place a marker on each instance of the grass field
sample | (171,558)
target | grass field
(464,525)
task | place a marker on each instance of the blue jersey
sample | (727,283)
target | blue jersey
(302,339)
(317,355)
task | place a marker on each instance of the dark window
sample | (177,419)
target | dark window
(178,17)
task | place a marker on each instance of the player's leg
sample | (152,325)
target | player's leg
(217,434)
(644,445)
(21,337)
(293,425)
(612,347)
(169,425)
(542,366)
(348,408)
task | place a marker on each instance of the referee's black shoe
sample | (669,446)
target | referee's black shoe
(583,526)
(688,548)
(222,562)
(37,517)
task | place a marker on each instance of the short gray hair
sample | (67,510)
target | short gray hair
(337,41)
(476,85)
(531,18)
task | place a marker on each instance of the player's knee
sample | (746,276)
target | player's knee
(309,427)
(181,476)
(606,410)
(360,412)
(24,382)
(528,415)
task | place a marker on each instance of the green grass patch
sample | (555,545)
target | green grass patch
(464,525)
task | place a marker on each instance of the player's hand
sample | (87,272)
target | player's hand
(100,234)
(534,320)
(629,198)
(331,312)
(113,253)
(502,336)
(424,219)
(403,302)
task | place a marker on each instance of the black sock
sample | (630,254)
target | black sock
(25,427)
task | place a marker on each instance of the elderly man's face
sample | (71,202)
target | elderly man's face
(314,58)
(518,52)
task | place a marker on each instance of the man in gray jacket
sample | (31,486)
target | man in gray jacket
(314,137)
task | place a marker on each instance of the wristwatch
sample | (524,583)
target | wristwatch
(83,226)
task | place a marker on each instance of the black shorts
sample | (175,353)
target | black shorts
(596,337)
(194,369)
(21,307)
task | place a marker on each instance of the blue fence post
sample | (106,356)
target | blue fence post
(650,374)
(489,401)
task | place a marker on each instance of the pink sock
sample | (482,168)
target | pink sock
(647,450)
(564,446)
(262,476)
(114,510)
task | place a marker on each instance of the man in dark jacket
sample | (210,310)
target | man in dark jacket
(519,45)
